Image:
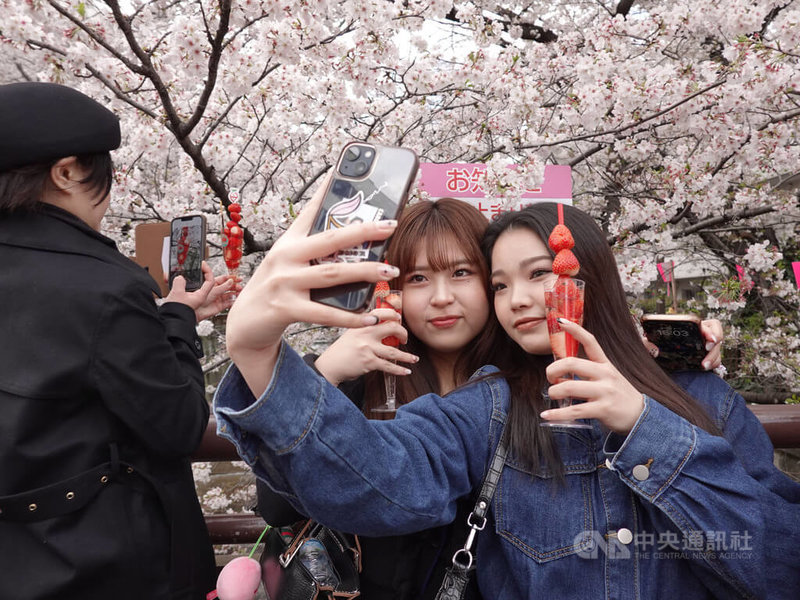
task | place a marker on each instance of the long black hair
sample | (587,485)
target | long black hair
(606,316)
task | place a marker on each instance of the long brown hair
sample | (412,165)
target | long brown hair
(438,227)
(606,316)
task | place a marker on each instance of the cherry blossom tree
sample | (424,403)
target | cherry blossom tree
(680,121)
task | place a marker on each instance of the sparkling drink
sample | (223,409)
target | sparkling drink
(388,298)
(564,300)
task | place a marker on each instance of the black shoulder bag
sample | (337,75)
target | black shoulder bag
(310,562)
(457,577)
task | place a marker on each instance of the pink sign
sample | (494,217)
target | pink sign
(666,270)
(796,267)
(465,181)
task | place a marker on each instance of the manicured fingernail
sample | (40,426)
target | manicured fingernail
(369,320)
(387,224)
(706,365)
(544,414)
(389,271)
(710,345)
(561,321)
(416,359)
(408,371)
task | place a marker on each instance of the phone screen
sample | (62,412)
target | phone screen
(680,343)
(186,250)
(371,183)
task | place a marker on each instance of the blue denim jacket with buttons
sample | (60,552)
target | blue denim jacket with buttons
(668,511)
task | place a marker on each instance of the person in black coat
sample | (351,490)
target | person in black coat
(101,391)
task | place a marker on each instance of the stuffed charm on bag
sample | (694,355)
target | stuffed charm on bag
(240,578)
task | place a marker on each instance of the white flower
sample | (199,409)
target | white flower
(215,499)
(202,472)
(205,328)
(761,257)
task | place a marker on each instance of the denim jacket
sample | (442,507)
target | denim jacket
(668,511)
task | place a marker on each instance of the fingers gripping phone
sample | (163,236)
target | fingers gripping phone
(187,243)
(370,183)
(680,342)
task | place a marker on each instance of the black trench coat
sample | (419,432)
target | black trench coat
(101,390)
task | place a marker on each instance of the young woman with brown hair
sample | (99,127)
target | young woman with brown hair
(693,471)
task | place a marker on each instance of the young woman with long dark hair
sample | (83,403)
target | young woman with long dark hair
(669,493)
(444,279)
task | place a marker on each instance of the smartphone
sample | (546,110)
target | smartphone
(187,248)
(370,183)
(680,342)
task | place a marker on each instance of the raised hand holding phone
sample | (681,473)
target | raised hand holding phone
(679,339)
(369,183)
(187,248)
(278,294)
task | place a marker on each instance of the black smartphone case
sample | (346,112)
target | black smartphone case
(379,195)
(680,344)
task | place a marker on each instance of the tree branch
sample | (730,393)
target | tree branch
(147,69)
(624,7)
(619,130)
(213,67)
(97,39)
(119,93)
(723,219)
(530,32)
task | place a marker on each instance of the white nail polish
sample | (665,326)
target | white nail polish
(389,271)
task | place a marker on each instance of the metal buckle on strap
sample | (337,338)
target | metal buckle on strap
(458,563)
(473,525)
(287,557)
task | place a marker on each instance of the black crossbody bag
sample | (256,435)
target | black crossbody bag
(310,562)
(458,574)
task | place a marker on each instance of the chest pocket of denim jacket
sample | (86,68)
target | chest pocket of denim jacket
(541,517)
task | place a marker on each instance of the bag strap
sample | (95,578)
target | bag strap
(477,518)
(301,536)
(310,529)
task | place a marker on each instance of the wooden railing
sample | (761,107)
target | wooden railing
(781,422)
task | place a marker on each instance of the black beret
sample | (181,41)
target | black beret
(40,122)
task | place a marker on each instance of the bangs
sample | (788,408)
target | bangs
(442,249)
(445,229)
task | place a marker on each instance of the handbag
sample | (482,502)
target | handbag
(459,574)
(309,561)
